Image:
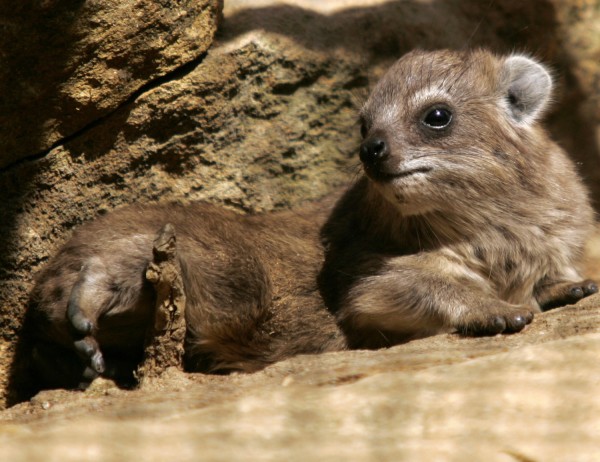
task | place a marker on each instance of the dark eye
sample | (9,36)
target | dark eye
(437,118)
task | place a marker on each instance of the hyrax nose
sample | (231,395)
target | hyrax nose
(373,150)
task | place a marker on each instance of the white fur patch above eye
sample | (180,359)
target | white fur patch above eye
(430,95)
(527,86)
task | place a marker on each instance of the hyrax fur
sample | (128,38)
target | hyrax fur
(468,218)
(250,283)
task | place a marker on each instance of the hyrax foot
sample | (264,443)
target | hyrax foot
(87,348)
(80,326)
(57,366)
(508,319)
(564,293)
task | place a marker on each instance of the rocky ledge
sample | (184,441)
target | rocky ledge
(524,397)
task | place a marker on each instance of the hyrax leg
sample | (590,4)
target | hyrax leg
(57,366)
(81,325)
(423,294)
(91,321)
(552,294)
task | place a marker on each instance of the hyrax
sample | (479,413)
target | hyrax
(469,218)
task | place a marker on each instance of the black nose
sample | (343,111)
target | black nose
(373,150)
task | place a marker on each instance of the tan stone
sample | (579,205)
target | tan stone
(67,64)
(530,396)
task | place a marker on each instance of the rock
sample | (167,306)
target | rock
(67,64)
(578,116)
(266,119)
(528,396)
(165,338)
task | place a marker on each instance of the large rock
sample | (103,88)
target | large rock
(529,396)
(265,120)
(66,64)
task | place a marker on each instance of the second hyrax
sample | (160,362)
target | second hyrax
(469,218)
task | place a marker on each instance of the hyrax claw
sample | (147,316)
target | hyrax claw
(552,295)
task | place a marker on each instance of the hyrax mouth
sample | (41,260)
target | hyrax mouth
(381,176)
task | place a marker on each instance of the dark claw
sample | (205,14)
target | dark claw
(498,325)
(85,348)
(517,324)
(97,362)
(89,374)
(88,349)
(577,292)
(81,323)
(565,293)
(590,288)
(529,318)
(87,377)
(513,320)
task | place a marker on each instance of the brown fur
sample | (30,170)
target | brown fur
(250,282)
(487,233)
(477,241)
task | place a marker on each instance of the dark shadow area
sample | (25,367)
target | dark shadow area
(36,41)
(388,30)
(36,44)
(575,132)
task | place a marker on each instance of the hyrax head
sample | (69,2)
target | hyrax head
(443,129)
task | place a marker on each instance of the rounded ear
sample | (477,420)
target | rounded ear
(527,86)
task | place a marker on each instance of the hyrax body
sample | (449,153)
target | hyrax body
(469,218)
(250,284)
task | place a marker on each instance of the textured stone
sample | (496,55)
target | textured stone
(578,30)
(165,339)
(65,64)
(530,396)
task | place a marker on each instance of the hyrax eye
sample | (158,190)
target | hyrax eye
(437,117)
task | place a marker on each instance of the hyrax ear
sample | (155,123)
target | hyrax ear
(527,86)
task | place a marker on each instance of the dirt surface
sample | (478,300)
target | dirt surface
(165,339)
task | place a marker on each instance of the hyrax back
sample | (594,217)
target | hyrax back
(469,216)
(250,283)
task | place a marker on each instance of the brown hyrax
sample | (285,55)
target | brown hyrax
(469,218)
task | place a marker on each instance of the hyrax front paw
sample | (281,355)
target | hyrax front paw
(504,319)
(564,293)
